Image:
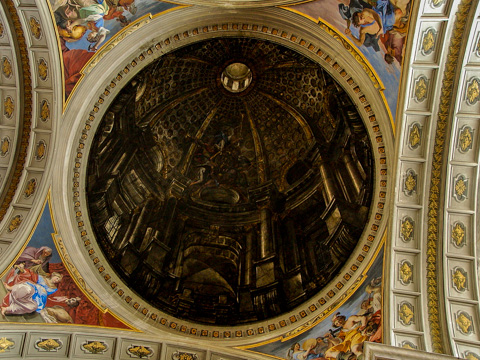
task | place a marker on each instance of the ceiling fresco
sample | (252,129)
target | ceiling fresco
(229,181)
(378,28)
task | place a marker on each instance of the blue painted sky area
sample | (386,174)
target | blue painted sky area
(144,7)
(351,307)
(42,235)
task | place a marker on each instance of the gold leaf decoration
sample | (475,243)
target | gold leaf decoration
(35,27)
(15,223)
(406,272)
(7,67)
(410,183)
(6,344)
(459,279)
(473,91)
(458,234)
(406,229)
(460,188)
(30,188)
(41,150)
(465,139)
(421,85)
(406,313)
(94,347)
(414,137)
(178,355)
(408,345)
(48,344)
(8,107)
(437,3)
(428,41)
(5,146)
(140,351)
(43,69)
(2,30)
(471,356)
(464,323)
(44,111)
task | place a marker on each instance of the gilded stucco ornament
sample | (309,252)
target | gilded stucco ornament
(6,344)
(30,188)
(2,30)
(405,272)
(407,229)
(94,347)
(7,67)
(8,106)
(473,91)
(48,344)
(421,86)
(465,139)
(41,150)
(414,136)
(179,355)
(408,345)
(35,28)
(406,313)
(43,69)
(471,355)
(459,279)
(15,223)
(458,234)
(428,41)
(477,47)
(140,352)
(410,182)
(5,146)
(437,3)
(464,322)
(45,111)
(461,188)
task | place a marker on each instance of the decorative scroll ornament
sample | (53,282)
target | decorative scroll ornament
(421,86)
(459,279)
(406,272)
(407,229)
(5,146)
(415,136)
(7,68)
(35,27)
(473,91)
(43,69)
(406,313)
(30,188)
(464,323)
(94,347)
(15,223)
(41,150)
(52,345)
(410,182)
(465,139)
(139,351)
(8,106)
(408,345)
(471,355)
(461,188)
(45,111)
(177,355)
(2,30)
(6,344)
(428,41)
(458,234)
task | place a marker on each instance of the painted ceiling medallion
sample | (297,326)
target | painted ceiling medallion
(43,69)
(140,352)
(6,344)
(405,272)
(15,223)
(178,355)
(464,322)
(35,28)
(465,139)
(473,91)
(459,279)
(8,107)
(414,136)
(458,234)
(5,146)
(460,189)
(421,86)
(207,173)
(45,111)
(428,41)
(406,313)
(7,67)
(94,347)
(410,182)
(50,345)
(407,229)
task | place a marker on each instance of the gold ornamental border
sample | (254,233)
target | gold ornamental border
(437,165)
(27,110)
(372,236)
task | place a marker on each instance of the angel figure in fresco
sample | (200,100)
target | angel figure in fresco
(27,290)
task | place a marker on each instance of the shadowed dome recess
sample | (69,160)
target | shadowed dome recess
(228,207)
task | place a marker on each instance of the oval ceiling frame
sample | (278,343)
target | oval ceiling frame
(118,67)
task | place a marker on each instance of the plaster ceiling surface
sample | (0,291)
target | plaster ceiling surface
(223,206)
